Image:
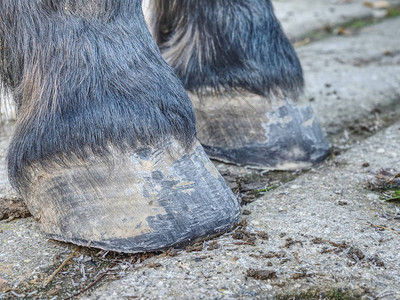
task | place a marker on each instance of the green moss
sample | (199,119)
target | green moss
(352,26)
(394,197)
(339,295)
(393,12)
(358,24)
(331,294)
(267,189)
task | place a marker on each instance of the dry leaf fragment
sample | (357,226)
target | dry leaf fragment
(377,4)
(4,287)
(385,175)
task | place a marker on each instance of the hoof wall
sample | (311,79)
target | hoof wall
(247,129)
(147,200)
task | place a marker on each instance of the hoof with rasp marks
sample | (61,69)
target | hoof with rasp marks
(146,200)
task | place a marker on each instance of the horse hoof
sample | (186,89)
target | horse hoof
(146,200)
(247,129)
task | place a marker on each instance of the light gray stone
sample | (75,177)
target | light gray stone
(26,255)
(300,17)
(348,78)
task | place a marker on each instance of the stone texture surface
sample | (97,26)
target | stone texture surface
(301,17)
(321,229)
(5,136)
(351,77)
(25,252)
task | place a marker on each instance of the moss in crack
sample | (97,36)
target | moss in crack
(393,12)
(87,269)
(329,294)
(255,185)
(346,28)
(391,196)
(261,192)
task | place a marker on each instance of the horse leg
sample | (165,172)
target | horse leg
(243,77)
(104,150)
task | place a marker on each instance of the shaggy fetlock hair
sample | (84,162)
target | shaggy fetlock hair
(226,44)
(85,75)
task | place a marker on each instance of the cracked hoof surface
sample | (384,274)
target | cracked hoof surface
(150,199)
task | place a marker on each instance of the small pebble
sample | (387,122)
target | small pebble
(261,274)
(246,212)
(355,252)
(380,151)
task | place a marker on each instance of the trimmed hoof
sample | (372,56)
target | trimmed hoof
(147,200)
(247,129)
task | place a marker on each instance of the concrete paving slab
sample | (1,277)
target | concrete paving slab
(300,17)
(26,254)
(351,77)
(323,240)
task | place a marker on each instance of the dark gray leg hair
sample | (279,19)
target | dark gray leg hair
(104,153)
(225,45)
(85,75)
